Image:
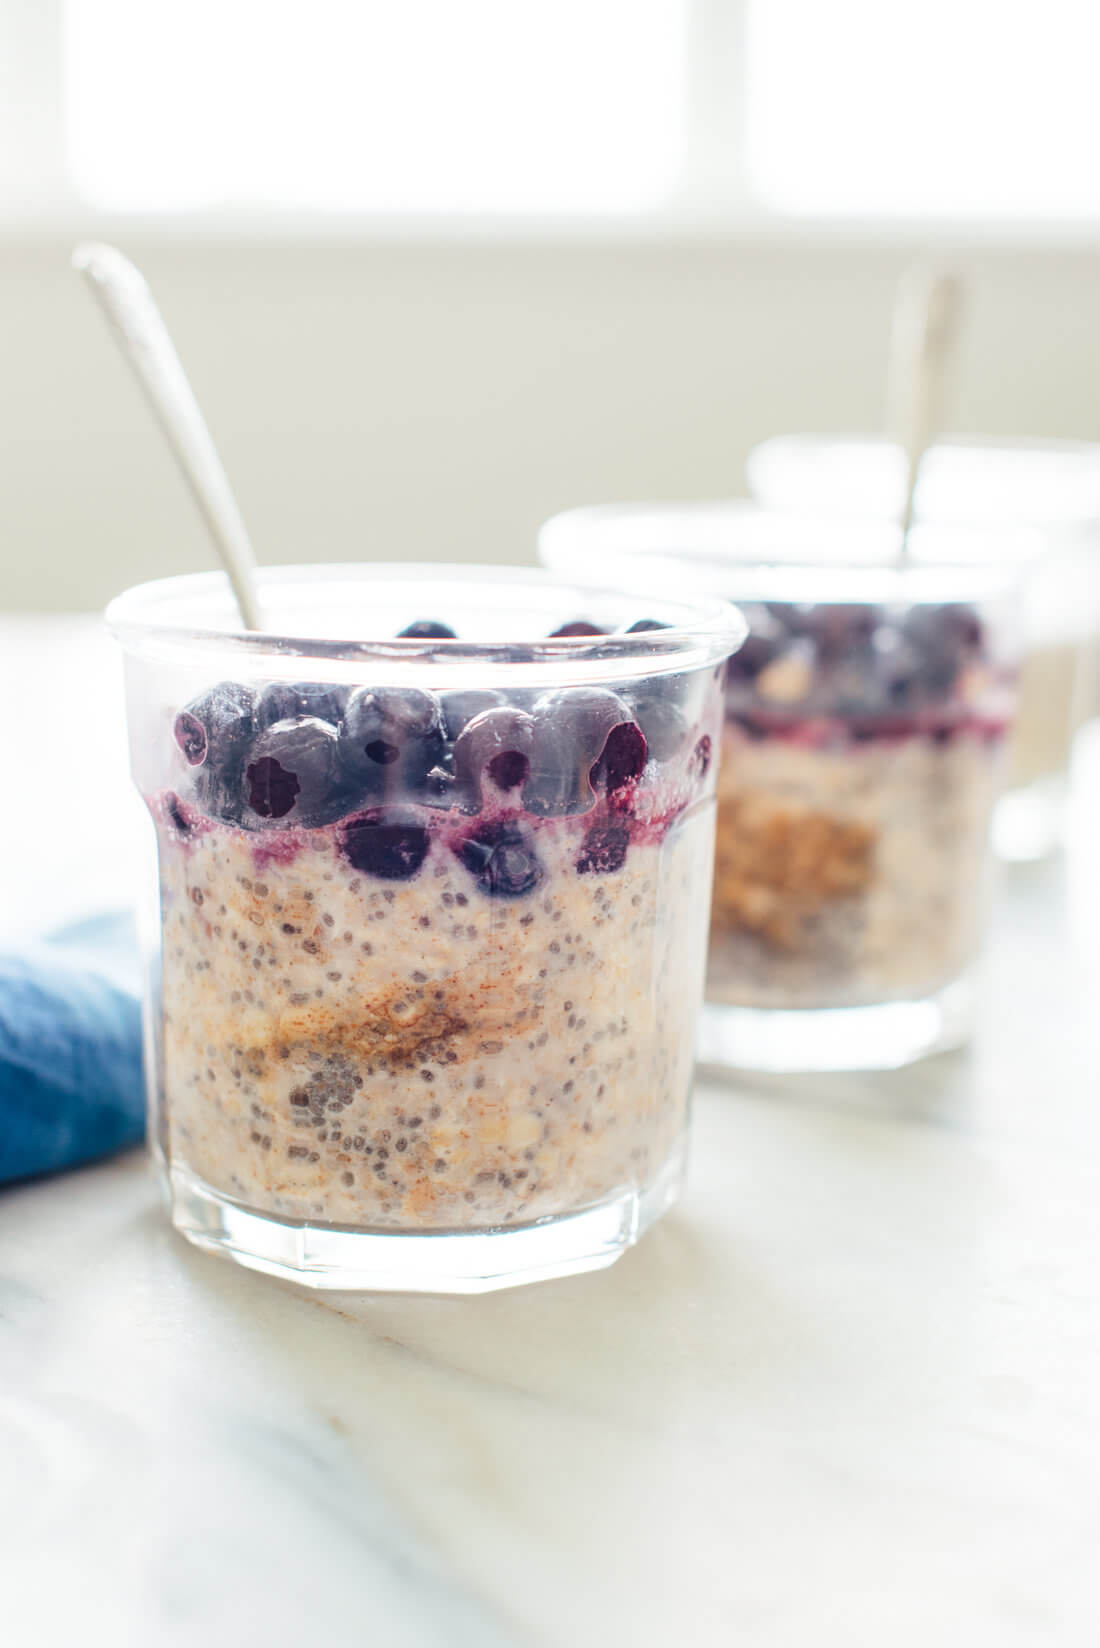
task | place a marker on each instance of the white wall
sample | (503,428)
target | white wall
(420,401)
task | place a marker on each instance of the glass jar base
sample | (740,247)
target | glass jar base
(790,1041)
(1029,822)
(388,1261)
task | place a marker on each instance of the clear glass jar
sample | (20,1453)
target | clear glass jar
(866,721)
(431,915)
(1052,487)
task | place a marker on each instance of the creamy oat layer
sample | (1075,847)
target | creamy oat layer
(848,875)
(415,1053)
(1052,705)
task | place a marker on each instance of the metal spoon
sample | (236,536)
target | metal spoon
(141,334)
(926,319)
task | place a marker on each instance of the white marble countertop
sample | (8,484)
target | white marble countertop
(848,1393)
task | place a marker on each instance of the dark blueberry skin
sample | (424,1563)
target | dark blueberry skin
(282,701)
(623,759)
(767,638)
(583,737)
(438,789)
(867,663)
(460,707)
(215,729)
(494,747)
(502,859)
(841,627)
(292,775)
(643,626)
(190,735)
(954,625)
(949,638)
(902,668)
(580,626)
(174,808)
(910,676)
(427,629)
(388,844)
(673,689)
(603,850)
(855,687)
(390,739)
(663,725)
(219,798)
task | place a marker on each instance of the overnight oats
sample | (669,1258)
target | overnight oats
(866,722)
(433,914)
(862,756)
(1040,503)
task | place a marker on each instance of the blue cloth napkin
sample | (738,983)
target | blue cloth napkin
(70,1049)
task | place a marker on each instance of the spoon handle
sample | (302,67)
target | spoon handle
(926,320)
(141,334)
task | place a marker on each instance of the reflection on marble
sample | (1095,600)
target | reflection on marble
(849,1393)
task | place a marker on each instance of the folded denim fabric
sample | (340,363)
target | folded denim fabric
(70,1049)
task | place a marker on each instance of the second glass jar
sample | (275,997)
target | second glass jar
(862,752)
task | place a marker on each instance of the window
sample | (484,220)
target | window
(376,105)
(700,113)
(951,108)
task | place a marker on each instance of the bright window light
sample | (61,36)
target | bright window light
(944,108)
(375,105)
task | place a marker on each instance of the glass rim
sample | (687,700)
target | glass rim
(980,481)
(1072,446)
(745,540)
(159,615)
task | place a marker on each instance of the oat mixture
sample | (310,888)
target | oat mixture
(848,876)
(417,1054)
(861,756)
(432,962)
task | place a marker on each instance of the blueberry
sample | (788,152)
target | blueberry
(955,623)
(190,735)
(896,669)
(579,626)
(283,701)
(642,626)
(624,758)
(438,789)
(460,707)
(177,814)
(219,797)
(427,629)
(766,639)
(391,845)
(888,676)
(664,727)
(673,689)
(496,745)
(292,774)
(390,739)
(603,850)
(502,859)
(840,626)
(948,638)
(855,686)
(215,729)
(581,736)
(701,756)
